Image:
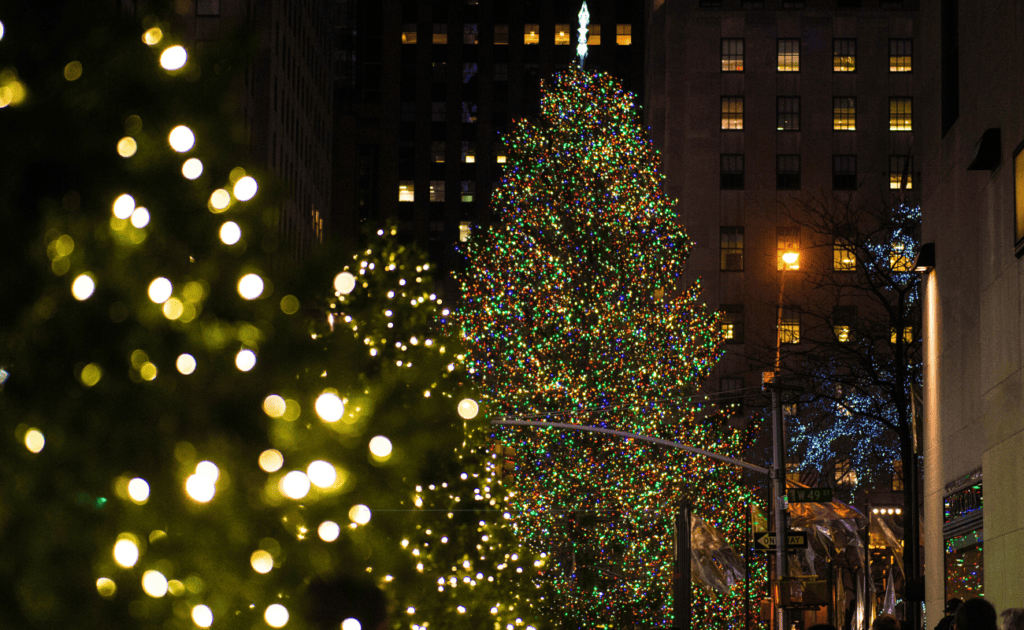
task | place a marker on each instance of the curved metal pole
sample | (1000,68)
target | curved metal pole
(633,436)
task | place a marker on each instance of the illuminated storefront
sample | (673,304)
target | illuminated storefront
(963,534)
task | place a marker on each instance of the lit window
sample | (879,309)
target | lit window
(845,474)
(731,177)
(908,335)
(464,231)
(623,34)
(788,239)
(789,326)
(437,151)
(844,113)
(732,55)
(901,259)
(563,35)
(501,34)
(406,191)
(787,172)
(594,35)
(787,113)
(844,172)
(901,177)
(470,34)
(897,475)
(436,190)
(732,323)
(844,319)
(900,55)
(731,248)
(531,34)
(844,256)
(732,112)
(500,158)
(900,113)
(440,34)
(844,55)
(468,191)
(789,55)
(408,33)
(468,152)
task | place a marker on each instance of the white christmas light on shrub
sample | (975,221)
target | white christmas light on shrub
(274,406)
(83,287)
(250,286)
(124,205)
(181,139)
(140,217)
(192,168)
(138,490)
(126,552)
(152,36)
(328,531)
(344,282)
(380,447)
(173,58)
(202,616)
(261,561)
(295,485)
(200,489)
(220,199)
(322,474)
(230,233)
(34,440)
(208,469)
(271,460)
(468,408)
(245,360)
(160,290)
(186,364)
(126,147)
(245,188)
(329,407)
(106,587)
(360,514)
(351,624)
(276,616)
(154,583)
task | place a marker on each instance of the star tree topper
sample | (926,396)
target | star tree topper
(581,46)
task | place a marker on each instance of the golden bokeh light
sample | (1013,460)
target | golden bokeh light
(220,200)
(124,206)
(200,489)
(250,286)
(173,58)
(245,360)
(276,616)
(468,408)
(186,364)
(34,440)
(328,531)
(83,287)
(271,460)
(294,485)
(154,583)
(73,71)
(230,233)
(360,514)
(289,305)
(380,448)
(181,139)
(245,188)
(173,308)
(329,407)
(91,374)
(140,217)
(126,147)
(148,371)
(261,561)
(12,91)
(202,616)
(106,587)
(160,290)
(192,168)
(351,624)
(321,474)
(209,470)
(126,551)
(274,406)
(138,490)
(344,282)
(152,36)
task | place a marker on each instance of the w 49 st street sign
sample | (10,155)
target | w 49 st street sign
(765,541)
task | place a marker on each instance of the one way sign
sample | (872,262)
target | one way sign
(765,541)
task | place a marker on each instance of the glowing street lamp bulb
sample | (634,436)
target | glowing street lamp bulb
(245,188)
(140,218)
(34,440)
(328,531)
(154,583)
(138,490)
(271,460)
(245,360)
(276,616)
(380,447)
(83,287)
(202,616)
(261,561)
(322,474)
(230,233)
(181,138)
(250,286)
(124,205)
(160,290)
(200,489)
(186,364)
(790,257)
(344,282)
(126,553)
(351,624)
(295,485)
(329,407)
(360,514)
(173,58)
(192,168)
(468,408)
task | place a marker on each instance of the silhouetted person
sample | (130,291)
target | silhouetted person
(885,622)
(1012,619)
(947,621)
(330,601)
(975,614)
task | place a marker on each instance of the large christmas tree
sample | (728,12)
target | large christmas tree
(573,310)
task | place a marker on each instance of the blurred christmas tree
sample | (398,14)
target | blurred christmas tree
(196,426)
(573,311)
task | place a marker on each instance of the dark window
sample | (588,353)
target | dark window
(787,172)
(732,323)
(209,8)
(844,55)
(732,171)
(732,55)
(844,321)
(844,172)
(788,113)
(731,248)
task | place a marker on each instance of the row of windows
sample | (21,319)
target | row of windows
(844,324)
(565,35)
(787,172)
(844,55)
(844,254)
(844,113)
(407,191)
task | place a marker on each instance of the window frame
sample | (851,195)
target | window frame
(895,58)
(844,119)
(837,55)
(850,184)
(731,118)
(731,178)
(407,191)
(531,37)
(501,34)
(789,326)
(563,37)
(732,316)
(730,243)
(731,57)
(436,190)
(624,34)
(901,113)
(787,60)
(439,36)
(841,245)
(787,179)
(899,164)
(793,117)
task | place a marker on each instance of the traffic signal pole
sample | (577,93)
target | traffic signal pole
(778,474)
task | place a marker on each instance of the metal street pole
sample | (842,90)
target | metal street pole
(779,483)
(682,588)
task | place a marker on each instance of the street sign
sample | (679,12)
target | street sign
(809,495)
(765,541)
